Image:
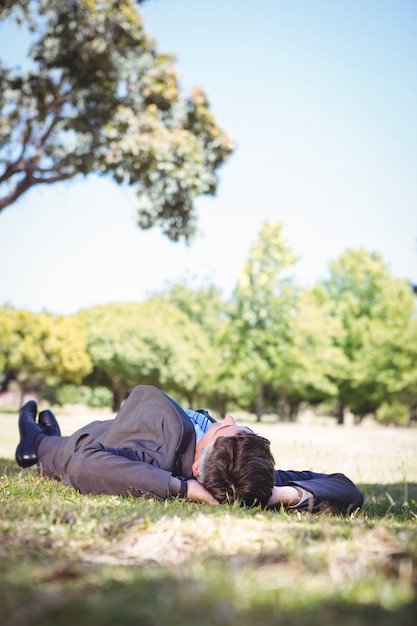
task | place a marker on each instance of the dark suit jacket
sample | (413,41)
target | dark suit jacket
(150,429)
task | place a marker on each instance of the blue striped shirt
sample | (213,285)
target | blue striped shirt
(201,423)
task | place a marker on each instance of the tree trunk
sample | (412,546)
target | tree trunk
(259,403)
(119,394)
(341,412)
(223,409)
(293,411)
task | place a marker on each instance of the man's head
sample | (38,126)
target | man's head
(234,463)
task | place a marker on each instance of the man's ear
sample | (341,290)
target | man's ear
(195,469)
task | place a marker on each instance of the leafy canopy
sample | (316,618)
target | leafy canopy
(35,347)
(377,330)
(98,97)
(264,301)
(149,342)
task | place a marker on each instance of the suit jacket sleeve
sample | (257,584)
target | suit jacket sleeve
(330,491)
(150,441)
(95,469)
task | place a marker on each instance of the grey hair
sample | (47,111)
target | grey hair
(202,463)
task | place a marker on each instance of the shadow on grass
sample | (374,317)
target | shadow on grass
(183,602)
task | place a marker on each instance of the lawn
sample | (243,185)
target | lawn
(83,560)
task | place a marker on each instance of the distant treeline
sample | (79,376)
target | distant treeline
(348,343)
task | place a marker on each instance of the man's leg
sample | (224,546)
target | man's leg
(52,457)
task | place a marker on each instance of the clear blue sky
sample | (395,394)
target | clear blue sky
(320,97)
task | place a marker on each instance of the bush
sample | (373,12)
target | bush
(100,397)
(395,412)
(97,397)
(72,394)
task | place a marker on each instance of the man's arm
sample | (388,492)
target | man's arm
(285,496)
(96,469)
(310,491)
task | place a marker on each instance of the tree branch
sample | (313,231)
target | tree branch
(29,181)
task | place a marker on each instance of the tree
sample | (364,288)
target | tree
(98,97)
(202,305)
(282,345)
(144,342)
(310,359)
(264,301)
(37,347)
(377,331)
(205,307)
(390,348)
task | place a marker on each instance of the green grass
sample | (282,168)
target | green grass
(86,560)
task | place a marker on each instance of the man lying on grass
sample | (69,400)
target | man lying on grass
(154,447)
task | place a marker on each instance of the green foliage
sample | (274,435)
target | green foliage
(376,331)
(99,97)
(202,305)
(72,394)
(205,307)
(291,354)
(150,342)
(35,347)
(352,339)
(310,358)
(264,301)
(395,412)
(100,397)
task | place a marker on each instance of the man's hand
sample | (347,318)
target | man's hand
(196,492)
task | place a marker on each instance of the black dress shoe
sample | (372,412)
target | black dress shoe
(49,424)
(26,454)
